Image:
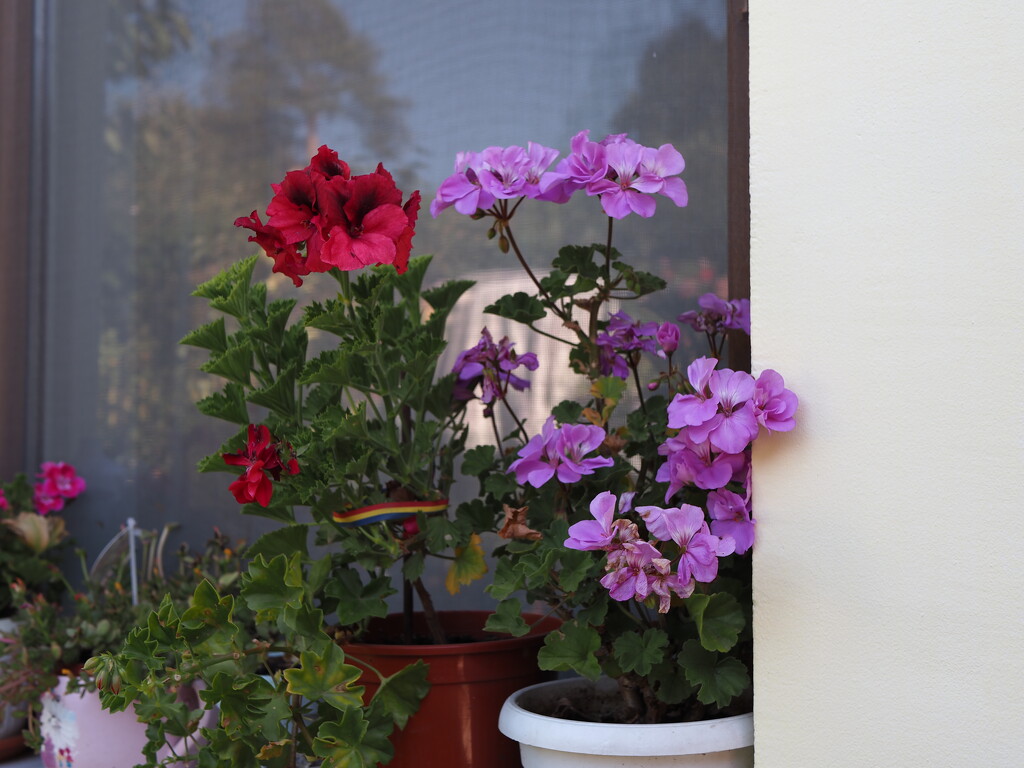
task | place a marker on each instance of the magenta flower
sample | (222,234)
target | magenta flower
(60,479)
(699,548)
(734,425)
(667,336)
(700,407)
(666,163)
(774,405)
(691,463)
(628,189)
(717,314)
(560,451)
(731,518)
(45,502)
(4,503)
(463,189)
(510,172)
(600,532)
(491,366)
(585,164)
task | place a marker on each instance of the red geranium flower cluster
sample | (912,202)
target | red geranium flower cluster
(262,461)
(323,217)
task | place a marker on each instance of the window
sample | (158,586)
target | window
(157,122)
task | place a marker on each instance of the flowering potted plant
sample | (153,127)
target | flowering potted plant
(355,446)
(42,670)
(630,509)
(32,538)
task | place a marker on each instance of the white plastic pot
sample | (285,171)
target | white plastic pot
(550,742)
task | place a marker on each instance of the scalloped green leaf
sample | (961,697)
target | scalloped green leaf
(326,676)
(400,695)
(520,306)
(571,647)
(508,618)
(637,652)
(719,619)
(720,678)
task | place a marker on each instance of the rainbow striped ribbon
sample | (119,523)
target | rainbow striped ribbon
(392,510)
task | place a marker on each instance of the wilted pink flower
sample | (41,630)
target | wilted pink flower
(629,575)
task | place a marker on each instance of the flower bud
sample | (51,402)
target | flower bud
(503,244)
(668,337)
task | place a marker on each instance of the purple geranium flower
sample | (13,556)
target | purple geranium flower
(700,407)
(774,405)
(491,366)
(734,425)
(600,532)
(699,548)
(463,189)
(560,451)
(731,518)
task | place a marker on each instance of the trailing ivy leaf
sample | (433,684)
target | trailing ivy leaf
(719,619)
(229,405)
(571,647)
(468,565)
(508,618)
(520,306)
(326,675)
(721,678)
(211,336)
(399,695)
(639,653)
(351,743)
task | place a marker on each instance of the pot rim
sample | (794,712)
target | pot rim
(574,736)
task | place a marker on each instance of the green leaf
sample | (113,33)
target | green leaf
(576,566)
(444,297)
(567,412)
(358,601)
(476,461)
(577,259)
(508,618)
(229,405)
(639,653)
(211,336)
(234,365)
(499,484)
(279,397)
(640,283)
(207,614)
(352,743)
(572,647)
(669,682)
(720,678)
(273,585)
(326,676)
(400,694)
(507,580)
(283,541)
(468,566)
(719,619)
(520,306)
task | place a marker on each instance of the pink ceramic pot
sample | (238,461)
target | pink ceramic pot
(78,733)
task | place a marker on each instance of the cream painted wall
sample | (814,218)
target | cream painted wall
(887,192)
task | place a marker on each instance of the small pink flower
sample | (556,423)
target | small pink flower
(4,503)
(44,501)
(60,479)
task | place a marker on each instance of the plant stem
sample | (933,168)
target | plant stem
(430,614)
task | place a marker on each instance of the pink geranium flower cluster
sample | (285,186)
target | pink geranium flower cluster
(717,422)
(323,217)
(58,484)
(622,173)
(636,568)
(562,452)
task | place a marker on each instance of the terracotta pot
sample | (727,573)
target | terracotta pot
(551,742)
(457,723)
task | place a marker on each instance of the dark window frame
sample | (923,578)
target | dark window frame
(20,268)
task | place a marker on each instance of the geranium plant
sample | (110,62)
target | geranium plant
(351,446)
(32,531)
(628,512)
